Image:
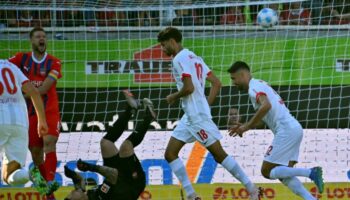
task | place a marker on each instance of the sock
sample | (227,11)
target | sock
(50,165)
(42,170)
(180,171)
(137,136)
(297,188)
(232,166)
(114,132)
(287,172)
(18,177)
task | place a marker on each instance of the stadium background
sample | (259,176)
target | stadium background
(307,65)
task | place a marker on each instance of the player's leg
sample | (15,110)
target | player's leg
(136,137)
(296,186)
(171,155)
(50,158)
(15,157)
(79,185)
(36,145)
(209,136)
(179,138)
(281,172)
(285,148)
(129,163)
(108,149)
(14,174)
(233,167)
(50,161)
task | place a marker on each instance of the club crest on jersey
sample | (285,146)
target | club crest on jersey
(42,72)
(105,188)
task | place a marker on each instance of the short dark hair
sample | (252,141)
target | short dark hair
(170,33)
(238,65)
(35,29)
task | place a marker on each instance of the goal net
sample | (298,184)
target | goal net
(106,46)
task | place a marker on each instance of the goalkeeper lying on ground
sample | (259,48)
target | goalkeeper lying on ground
(124,176)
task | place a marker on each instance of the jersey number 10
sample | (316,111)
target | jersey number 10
(7,73)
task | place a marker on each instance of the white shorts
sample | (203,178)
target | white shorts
(205,132)
(14,143)
(285,146)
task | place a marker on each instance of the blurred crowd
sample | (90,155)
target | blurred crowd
(313,12)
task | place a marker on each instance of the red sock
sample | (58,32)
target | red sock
(50,165)
(42,170)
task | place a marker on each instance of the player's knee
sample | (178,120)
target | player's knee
(50,144)
(169,156)
(104,143)
(265,172)
(126,149)
(219,158)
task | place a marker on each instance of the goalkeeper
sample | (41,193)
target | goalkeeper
(124,176)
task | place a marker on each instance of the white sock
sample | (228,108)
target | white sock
(18,177)
(297,188)
(180,171)
(232,166)
(287,172)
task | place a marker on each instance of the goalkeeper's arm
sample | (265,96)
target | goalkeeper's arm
(79,183)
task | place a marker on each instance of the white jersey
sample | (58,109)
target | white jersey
(195,105)
(278,116)
(13,108)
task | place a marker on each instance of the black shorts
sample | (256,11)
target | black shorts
(131,177)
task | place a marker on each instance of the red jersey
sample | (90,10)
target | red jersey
(37,72)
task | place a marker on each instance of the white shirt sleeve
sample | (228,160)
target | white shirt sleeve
(206,69)
(19,76)
(256,90)
(182,68)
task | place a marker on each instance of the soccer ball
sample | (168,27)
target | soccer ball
(267,18)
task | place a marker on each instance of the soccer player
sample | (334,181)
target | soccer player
(14,123)
(43,70)
(190,73)
(122,170)
(283,153)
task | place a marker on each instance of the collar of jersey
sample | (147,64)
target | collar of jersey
(37,61)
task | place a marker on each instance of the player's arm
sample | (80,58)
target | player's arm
(111,174)
(79,183)
(34,94)
(262,111)
(239,129)
(51,78)
(186,90)
(215,87)
(16,59)
(47,84)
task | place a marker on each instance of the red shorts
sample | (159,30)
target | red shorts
(53,122)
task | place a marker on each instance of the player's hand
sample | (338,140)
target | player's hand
(171,98)
(42,128)
(234,126)
(238,129)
